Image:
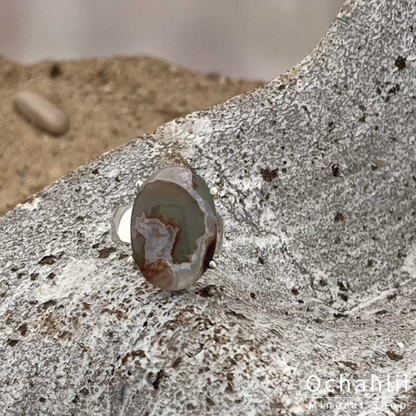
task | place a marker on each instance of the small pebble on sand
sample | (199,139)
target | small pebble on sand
(42,112)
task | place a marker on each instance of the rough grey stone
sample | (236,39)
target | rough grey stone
(316,179)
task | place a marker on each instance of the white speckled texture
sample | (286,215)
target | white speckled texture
(316,179)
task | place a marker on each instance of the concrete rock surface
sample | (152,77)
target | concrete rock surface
(316,179)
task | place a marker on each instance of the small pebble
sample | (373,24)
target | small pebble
(213,191)
(212,265)
(55,71)
(42,112)
(139,184)
(214,76)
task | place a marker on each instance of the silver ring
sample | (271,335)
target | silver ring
(173,228)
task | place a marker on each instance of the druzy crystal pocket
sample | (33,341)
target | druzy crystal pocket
(175,230)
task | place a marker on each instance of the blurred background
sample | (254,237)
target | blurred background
(119,69)
(251,39)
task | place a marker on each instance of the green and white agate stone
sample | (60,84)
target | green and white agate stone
(175,230)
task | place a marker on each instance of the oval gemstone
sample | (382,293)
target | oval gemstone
(174,228)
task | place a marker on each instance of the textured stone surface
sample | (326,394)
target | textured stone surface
(316,178)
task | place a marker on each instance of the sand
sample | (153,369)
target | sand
(109,102)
